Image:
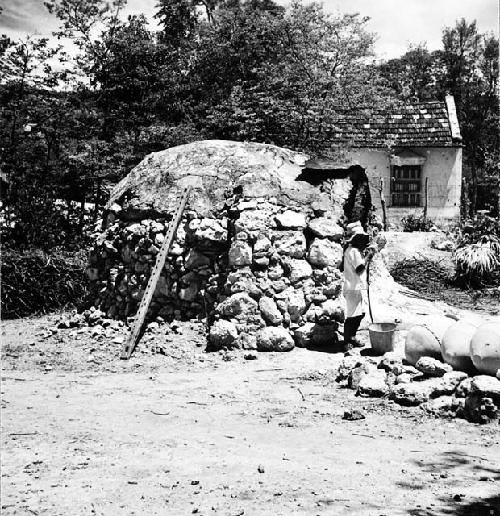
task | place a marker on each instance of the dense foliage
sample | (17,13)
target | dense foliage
(36,282)
(477,256)
(413,222)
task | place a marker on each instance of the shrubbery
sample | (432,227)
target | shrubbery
(35,282)
(415,223)
(477,256)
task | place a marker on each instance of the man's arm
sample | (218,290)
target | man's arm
(362,264)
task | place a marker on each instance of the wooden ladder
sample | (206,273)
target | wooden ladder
(132,339)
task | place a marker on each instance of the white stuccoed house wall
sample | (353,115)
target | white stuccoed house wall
(442,167)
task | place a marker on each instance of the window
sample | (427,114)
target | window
(406,185)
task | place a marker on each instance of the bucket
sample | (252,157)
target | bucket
(382,336)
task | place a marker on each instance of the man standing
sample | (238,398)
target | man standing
(355,285)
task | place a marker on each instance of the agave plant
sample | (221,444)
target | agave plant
(477,262)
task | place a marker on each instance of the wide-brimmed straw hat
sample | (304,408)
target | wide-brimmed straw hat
(354,229)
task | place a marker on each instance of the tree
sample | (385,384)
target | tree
(178,20)
(414,74)
(286,78)
(470,74)
(34,117)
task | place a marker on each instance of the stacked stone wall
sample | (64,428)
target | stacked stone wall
(265,273)
(122,259)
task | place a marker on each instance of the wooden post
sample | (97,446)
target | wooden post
(426,197)
(382,203)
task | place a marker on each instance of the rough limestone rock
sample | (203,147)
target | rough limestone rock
(326,228)
(413,393)
(358,373)
(262,246)
(346,366)
(298,270)
(290,243)
(444,406)
(223,335)
(482,404)
(237,304)
(209,231)
(270,311)
(392,362)
(373,385)
(303,335)
(291,220)
(486,385)
(331,310)
(323,253)
(325,335)
(432,367)
(463,388)
(296,305)
(240,254)
(274,338)
(253,222)
(448,383)
(480,409)
(196,260)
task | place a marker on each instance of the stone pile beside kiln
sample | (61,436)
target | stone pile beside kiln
(257,251)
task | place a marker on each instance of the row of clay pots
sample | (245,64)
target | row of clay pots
(464,345)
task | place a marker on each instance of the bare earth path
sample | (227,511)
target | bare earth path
(196,433)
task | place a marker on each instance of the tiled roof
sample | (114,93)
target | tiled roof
(424,124)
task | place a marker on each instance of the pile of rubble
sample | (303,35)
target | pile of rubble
(430,384)
(157,336)
(257,251)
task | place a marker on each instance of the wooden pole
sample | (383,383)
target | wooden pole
(382,203)
(426,197)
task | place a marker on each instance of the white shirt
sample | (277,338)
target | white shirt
(352,260)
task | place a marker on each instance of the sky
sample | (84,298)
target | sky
(396,22)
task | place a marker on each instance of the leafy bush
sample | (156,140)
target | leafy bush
(471,231)
(36,282)
(477,263)
(414,223)
(477,257)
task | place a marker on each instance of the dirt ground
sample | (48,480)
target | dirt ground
(178,431)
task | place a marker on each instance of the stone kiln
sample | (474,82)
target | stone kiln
(257,251)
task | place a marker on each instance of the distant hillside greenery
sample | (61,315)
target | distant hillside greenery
(71,125)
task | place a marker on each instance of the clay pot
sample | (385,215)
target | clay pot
(455,345)
(421,342)
(485,348)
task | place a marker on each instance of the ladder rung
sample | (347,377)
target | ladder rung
(131,341)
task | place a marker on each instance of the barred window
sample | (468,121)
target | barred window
(406,183)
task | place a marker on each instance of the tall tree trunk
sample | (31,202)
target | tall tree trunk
(97,199)
(82,209)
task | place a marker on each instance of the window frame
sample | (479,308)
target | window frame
(406,186)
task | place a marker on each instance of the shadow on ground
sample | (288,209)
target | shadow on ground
(459,505)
